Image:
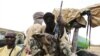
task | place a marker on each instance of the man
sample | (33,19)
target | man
(38,23)
(37,27)
(49,20)
(63,48)
(11,49)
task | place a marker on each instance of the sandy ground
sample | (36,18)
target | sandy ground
(95,49)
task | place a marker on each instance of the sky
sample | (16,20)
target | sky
(17,14)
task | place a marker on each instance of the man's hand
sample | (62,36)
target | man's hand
(27,49)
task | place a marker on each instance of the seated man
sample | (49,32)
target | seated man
(36,27)
(11,49)
(49,20)
(53,29)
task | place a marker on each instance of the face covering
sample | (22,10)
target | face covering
(38,21)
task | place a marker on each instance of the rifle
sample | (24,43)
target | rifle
(58,25)
(59,30)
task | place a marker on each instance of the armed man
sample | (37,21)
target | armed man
(11,49)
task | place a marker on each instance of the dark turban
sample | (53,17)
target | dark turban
(10,34)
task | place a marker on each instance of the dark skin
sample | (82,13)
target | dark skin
(10,42)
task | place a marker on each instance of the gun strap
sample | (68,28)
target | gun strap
(11,51)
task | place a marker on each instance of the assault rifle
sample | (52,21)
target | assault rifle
(59,27)
(59,30)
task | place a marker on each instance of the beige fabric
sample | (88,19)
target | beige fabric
(95,12)
(35,28)
(70,14)
(4,51)
(64,43)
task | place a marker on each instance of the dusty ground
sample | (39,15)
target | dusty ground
(95,49)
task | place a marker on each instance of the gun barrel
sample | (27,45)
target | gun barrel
(61,7)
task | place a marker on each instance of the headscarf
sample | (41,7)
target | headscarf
(38,17)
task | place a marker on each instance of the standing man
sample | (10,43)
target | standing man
(11,49)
